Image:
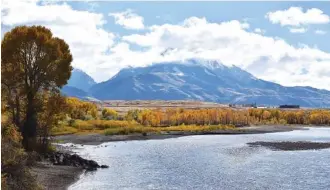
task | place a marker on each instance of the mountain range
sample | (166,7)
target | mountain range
(78,85)
(193,79)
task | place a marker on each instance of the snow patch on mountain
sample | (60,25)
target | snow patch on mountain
(205,80)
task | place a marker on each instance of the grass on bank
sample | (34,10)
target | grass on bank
(145,129)
(116,127)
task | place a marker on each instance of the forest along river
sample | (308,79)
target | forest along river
(209,162)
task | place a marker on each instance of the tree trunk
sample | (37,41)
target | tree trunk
(30,125)
(17,113)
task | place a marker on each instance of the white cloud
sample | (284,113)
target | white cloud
(258,30)
(95,52)
(82,30)
(295,16)
(298,30)
(266,57)
(128,19)
(320,32)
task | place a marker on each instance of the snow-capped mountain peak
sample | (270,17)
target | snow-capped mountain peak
(205,80)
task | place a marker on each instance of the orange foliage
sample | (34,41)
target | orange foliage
(174,117)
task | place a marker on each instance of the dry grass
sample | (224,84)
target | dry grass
(64,130)
(100,124)
(114,127)
(143,129)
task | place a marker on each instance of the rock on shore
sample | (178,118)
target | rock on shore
(66,159)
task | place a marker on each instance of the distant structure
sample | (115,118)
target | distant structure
(290,106)
(250,105)
(243,105)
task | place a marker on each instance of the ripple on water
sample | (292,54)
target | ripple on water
(210,162)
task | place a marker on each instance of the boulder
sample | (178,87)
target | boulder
(104,166)
(65,159)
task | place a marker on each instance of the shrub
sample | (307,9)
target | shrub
(71,122)
(14,171)
(129,130)
(109,114)
(63,130)
(101,124)
(78,109)
(88,117)
(83,125)
(132,115)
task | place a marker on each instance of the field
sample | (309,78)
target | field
(123,106)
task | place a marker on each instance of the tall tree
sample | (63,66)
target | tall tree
(33,60)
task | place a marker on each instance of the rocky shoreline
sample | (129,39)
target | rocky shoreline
(66,159)
(58,170)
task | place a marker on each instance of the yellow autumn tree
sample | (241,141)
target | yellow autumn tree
(32,60)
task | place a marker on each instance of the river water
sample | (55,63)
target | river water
(209,162)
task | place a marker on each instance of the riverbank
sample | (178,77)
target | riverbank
(55,177)
(96,138)
(59,169)
(70,175)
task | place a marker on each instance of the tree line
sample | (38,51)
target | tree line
(227,116)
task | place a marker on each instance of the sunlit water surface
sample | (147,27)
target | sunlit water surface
(209,162)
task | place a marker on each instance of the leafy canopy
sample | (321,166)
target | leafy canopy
(32,59)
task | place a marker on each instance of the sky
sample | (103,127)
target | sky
(282,42)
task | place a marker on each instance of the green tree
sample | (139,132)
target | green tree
(33,60)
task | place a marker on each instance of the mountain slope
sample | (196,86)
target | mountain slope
(74,92)
(79,79)
(78,85)
(205,81)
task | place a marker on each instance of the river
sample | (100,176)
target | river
(209,162)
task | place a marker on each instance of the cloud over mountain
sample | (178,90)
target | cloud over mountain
(102,52)
(204,80)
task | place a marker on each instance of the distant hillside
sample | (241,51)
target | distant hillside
(79,79)
(74,92)
(78,85)
(205,81)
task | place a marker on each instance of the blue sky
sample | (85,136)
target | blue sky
(283,42)
(254,12)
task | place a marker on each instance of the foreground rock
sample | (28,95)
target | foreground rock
(66,159)
(291,146)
